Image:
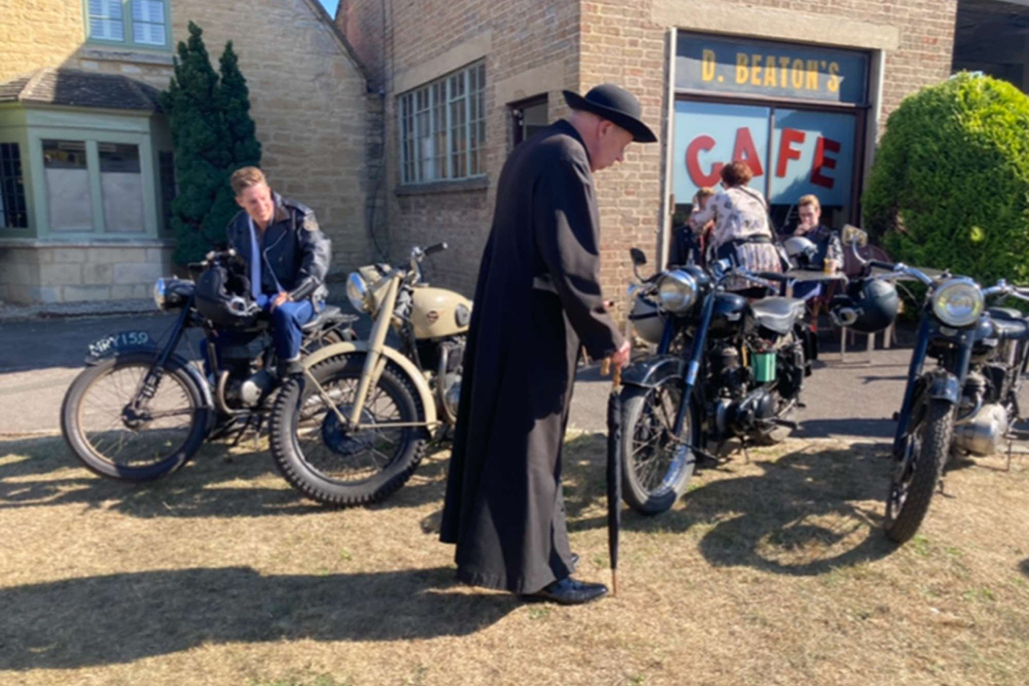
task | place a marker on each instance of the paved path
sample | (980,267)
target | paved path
(39,359)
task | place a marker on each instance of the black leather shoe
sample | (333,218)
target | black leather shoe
(569,591)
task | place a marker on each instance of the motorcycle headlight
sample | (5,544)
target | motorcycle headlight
(159,293)
(676,291)
(958,302)
(357,292)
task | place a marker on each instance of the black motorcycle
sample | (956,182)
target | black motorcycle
(140,410)
(725,368)
(964,405)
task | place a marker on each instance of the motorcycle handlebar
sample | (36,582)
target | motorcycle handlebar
(432,249)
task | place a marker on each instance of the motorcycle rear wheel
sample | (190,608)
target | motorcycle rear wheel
(325,460)
(914,480)
(656,468)
(114,442)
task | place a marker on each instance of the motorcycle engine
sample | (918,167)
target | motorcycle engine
(980,426)
(448,377)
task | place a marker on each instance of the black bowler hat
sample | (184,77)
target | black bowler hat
(616,105)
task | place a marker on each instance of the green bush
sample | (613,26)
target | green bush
(950,184)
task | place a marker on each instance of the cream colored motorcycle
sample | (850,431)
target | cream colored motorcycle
(353,428)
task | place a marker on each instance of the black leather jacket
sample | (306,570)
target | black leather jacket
(295,250)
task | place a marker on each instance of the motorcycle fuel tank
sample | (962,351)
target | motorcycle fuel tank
(727,317)
(437,312)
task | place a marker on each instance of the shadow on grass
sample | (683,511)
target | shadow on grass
(121,618)
(217,482)
(1024,566)
(808,514)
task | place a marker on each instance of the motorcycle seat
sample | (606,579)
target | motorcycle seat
(331,313)
(778,314)
(1011,329)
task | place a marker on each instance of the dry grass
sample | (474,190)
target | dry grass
(772,572)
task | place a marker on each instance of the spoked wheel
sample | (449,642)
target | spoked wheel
(117,432)
(656,466)
(321,456)
(915,477)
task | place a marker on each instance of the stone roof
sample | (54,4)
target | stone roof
(75,88)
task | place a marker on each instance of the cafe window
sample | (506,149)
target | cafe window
(442,128)
(794,113)
(13,213)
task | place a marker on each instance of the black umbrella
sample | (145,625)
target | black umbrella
(614,473)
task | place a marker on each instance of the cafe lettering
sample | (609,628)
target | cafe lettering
(792,112)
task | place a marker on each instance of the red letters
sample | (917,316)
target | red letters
(744,150)
(702,143)
(786,150)
(821,161)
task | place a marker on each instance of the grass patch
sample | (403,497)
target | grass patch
(768,572)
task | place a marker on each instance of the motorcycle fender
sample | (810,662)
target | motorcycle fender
(652,371)
(409,368)
(945,387)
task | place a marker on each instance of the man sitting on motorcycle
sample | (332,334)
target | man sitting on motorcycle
(287,256)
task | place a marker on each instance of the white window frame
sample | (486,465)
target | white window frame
(128,32)
(419,146)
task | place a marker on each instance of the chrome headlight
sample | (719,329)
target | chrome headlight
(958,302)
(676,291)
(357,293)
(159,293)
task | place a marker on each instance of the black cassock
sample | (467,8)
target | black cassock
(538,296)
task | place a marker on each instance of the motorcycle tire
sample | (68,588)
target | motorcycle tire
(298,466)
(84,443)
(641,489)
(912,485)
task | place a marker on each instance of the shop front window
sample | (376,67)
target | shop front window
(121,186)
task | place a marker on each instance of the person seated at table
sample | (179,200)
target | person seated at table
(688,245)
(828,250)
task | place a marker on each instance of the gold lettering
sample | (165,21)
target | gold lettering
(784,65)
(797,74)
(812,75)
(770,71)
(742,72)
(707,65)
(755,71)
(834,77)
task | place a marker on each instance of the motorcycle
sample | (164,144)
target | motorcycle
(968,402)
(140,410)
(354,427)
(724,368)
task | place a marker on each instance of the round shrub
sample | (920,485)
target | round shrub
(950,184)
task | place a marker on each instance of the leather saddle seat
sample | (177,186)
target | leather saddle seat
(1008,323)
(331,313)
(777,314)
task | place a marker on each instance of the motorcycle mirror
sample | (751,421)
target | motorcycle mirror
(638,258)
(852,234)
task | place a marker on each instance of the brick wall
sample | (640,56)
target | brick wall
(591,42)
(309,97)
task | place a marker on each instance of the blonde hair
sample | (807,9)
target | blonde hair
(245,177)
(704,192)
(810,199)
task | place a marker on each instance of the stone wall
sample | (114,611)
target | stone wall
(75,272)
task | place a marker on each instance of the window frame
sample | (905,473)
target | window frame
(418,170)
(126,17)
(21,187)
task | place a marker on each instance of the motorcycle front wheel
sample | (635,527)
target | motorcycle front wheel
(915,477)
(656,466)
(322,457)
(134,441)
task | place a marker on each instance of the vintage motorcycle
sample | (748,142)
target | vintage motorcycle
(353,429)
(140,410)
(724,368)
(965,404)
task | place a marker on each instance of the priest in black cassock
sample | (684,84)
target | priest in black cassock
(537,301)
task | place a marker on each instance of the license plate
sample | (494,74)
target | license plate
(108,345)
